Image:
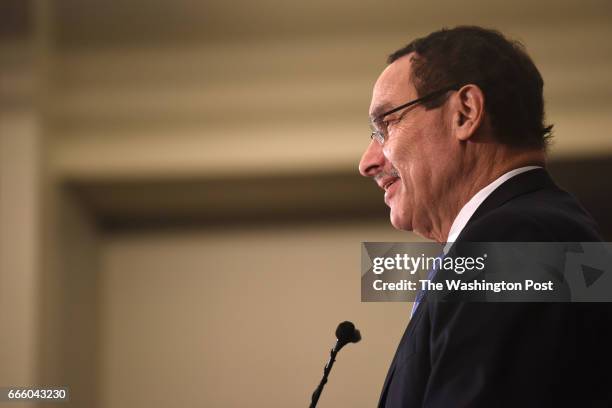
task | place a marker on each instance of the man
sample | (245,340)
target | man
(459,147)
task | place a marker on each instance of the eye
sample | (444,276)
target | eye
(394,121)
(389,122)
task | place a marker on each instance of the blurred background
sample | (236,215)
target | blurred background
(180,208)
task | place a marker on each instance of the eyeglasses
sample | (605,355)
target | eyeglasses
(379,126)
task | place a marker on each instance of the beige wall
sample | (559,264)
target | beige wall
(241,317)
(212,109)
(19,247)
(68,297)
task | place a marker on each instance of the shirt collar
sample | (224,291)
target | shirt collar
(472,205)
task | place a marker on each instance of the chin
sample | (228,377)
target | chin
(400,221)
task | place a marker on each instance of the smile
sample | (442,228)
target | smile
(389,184)
(390,188)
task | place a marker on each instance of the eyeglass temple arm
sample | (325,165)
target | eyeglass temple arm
(419,100)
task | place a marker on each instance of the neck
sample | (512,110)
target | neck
(476,174)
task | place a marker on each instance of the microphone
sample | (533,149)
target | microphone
(345,333)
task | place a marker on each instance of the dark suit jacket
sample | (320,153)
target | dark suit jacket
(465,354)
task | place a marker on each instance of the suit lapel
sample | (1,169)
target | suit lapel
(407,333)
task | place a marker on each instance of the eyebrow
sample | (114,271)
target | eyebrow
(383,107)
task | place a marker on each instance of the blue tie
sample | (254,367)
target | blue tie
(421,293)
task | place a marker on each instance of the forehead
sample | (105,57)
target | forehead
(393,86)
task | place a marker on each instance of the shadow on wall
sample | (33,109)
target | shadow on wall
(128,204)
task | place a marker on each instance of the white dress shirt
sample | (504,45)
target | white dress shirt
(472,205)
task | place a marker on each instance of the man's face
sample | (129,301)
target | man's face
(414,166)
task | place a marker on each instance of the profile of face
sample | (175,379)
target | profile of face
(414,165)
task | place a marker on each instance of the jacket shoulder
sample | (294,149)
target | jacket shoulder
(542,216)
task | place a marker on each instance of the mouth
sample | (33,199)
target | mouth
(390,188)
(389,183)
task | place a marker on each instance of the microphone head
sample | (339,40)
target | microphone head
(346,333)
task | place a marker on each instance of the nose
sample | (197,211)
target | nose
(373,161)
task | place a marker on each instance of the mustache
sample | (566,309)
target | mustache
(392,173)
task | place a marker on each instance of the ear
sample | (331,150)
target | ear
(469,111)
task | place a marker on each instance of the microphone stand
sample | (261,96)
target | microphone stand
(326,370)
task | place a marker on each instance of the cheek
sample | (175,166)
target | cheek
(399,156)
(402,161)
